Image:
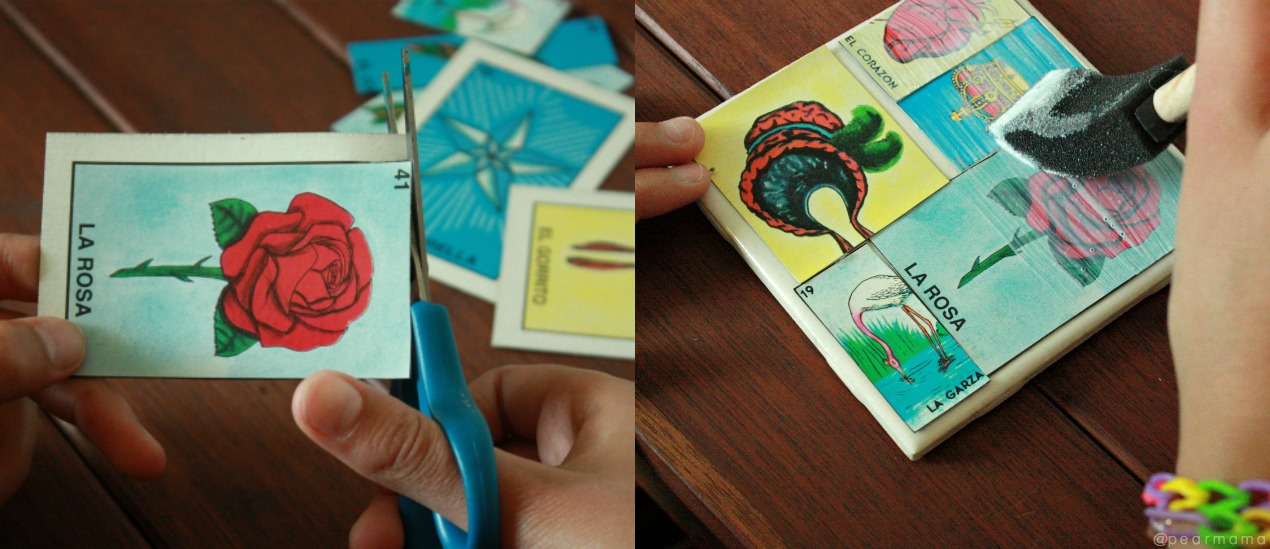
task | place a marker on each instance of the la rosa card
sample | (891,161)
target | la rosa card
(568,280)
(934,272)
(490,120)
(230,256)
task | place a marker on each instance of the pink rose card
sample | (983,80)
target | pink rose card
(230,256)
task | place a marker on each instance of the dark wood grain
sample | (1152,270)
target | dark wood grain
(770,429)
(38,102)
(741,417)
(240,473)
(62,504)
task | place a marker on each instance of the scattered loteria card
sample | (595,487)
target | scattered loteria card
(371,117)
(609,77)
(371,58)
(568,282)
(492,119)
(520,25)
(230,256)
(581,42)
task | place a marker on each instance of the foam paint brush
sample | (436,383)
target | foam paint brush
(1077,122)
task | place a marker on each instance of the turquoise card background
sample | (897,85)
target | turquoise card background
(1019,300)
(1030,49)
(511,130)
(162,327)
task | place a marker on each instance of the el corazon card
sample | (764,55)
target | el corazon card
(269,256)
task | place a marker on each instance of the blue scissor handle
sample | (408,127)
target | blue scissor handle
(440,392)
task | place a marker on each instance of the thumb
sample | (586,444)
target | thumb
(36,353)
(381,439)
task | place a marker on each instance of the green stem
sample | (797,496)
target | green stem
(179,272)
(1011,248)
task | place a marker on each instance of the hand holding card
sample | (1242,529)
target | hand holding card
(36,357)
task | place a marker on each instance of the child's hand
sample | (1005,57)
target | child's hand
(36,357)
(665,175)
(565,457)
(1219,308)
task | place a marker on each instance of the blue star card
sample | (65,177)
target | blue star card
(490,120)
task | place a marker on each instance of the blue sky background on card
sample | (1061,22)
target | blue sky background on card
(163,327)
(463,225)
(1030,49)
(1016,302)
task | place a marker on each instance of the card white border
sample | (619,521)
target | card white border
(510,308)
(589,177)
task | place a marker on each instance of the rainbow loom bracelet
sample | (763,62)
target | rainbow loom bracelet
(1219,514)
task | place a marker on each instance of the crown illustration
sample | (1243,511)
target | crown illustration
(987,89)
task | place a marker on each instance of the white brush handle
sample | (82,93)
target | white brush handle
(1173,99)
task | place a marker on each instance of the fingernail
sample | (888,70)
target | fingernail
(678,130)
(64,342)
(333,406)
(688,174)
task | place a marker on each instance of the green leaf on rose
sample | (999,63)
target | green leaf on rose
(1085,270)
(230,219)
(1012,195)
(230,341)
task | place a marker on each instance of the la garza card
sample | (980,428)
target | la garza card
(568,282)
(230,256)
(492,119)
(900,344)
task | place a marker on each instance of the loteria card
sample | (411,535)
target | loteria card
(581,42)
(371,58)
(916,288)
(1005,241)
(908,45)
(609,77)
(813,163)
(955,109)
(492,119)
(372,116)
(568,279)
(901,345)
(518,25)
(574,44)
(230,256)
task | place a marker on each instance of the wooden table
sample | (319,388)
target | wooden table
(240,474)
(741,423)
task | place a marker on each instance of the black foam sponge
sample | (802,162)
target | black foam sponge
(1080,123)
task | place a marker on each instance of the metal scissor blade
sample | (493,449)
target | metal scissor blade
(418,252)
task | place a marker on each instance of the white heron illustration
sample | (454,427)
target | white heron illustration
(886,292)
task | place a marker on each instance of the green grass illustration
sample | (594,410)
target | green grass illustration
(905,342)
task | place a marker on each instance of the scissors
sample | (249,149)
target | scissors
(436,386)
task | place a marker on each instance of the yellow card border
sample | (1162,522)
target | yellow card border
(509,310)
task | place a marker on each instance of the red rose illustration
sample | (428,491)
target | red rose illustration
(1094,216)
(297,279)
